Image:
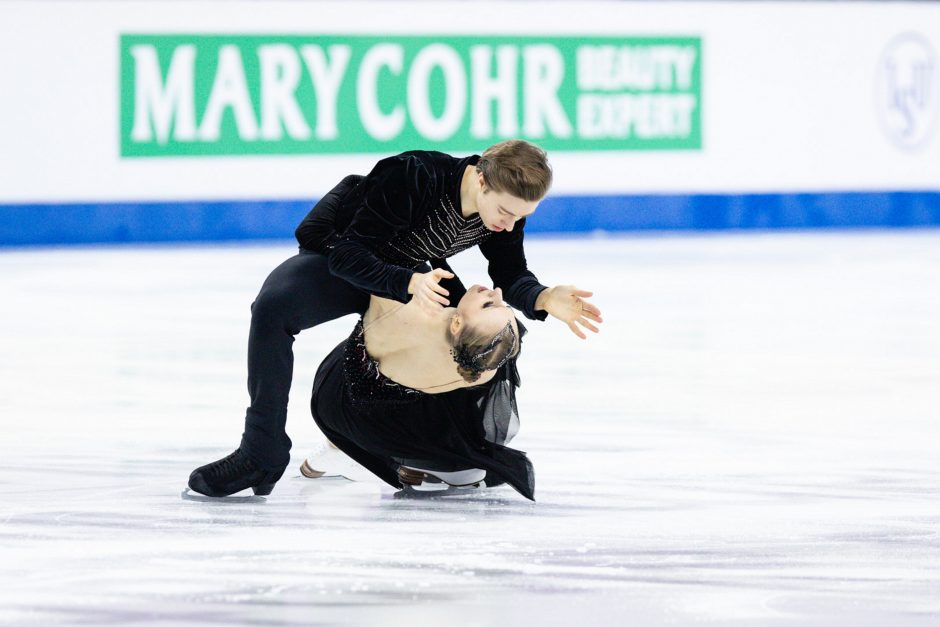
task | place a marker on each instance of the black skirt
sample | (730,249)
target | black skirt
(464,428)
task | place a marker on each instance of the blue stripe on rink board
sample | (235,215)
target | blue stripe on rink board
(87,223)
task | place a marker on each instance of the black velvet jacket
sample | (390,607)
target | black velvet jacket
(379,229)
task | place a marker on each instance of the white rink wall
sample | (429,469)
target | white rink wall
(808,114)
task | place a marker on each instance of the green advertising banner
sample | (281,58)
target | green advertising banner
(291,94)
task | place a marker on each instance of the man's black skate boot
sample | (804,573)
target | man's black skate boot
(233,474)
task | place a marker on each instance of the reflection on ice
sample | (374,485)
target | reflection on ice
(752,439)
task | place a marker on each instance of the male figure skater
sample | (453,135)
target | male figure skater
(377,235)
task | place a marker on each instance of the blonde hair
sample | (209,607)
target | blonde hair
(517,168)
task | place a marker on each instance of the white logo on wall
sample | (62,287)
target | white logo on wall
(906,89)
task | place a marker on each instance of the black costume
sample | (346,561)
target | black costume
(378,422)
(368,235)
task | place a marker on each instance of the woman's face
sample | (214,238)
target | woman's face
(485,311)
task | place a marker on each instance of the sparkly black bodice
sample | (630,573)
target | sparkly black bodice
(365,383)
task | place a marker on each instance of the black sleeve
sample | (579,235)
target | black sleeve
(454,286)
(319,224)
(508,269)
(393,196)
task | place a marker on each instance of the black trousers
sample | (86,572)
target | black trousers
(299,294)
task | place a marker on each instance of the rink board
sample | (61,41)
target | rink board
(162,120)
(52,224)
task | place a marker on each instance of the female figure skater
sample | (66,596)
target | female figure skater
(376,235)
(416,395)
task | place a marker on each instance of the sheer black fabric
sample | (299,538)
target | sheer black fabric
(375,420)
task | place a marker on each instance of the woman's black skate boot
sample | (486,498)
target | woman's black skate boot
(232,474)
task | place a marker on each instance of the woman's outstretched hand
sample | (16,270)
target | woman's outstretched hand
(427,291)
(566,302)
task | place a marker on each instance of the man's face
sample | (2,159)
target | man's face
(500,211)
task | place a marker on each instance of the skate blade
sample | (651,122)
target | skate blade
(189,495)
(425,481)
(410,492)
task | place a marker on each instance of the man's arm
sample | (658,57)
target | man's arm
(566,302)
(509,271)
(522,290)
(454,286)
(391,194)
(317,229)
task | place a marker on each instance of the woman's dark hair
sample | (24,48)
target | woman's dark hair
(476,353)
(517,168)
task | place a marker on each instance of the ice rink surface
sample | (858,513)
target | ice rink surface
(752,440)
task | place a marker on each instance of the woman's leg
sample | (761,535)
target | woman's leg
(338,419)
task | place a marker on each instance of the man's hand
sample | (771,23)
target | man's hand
(426,289)
(566,302)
